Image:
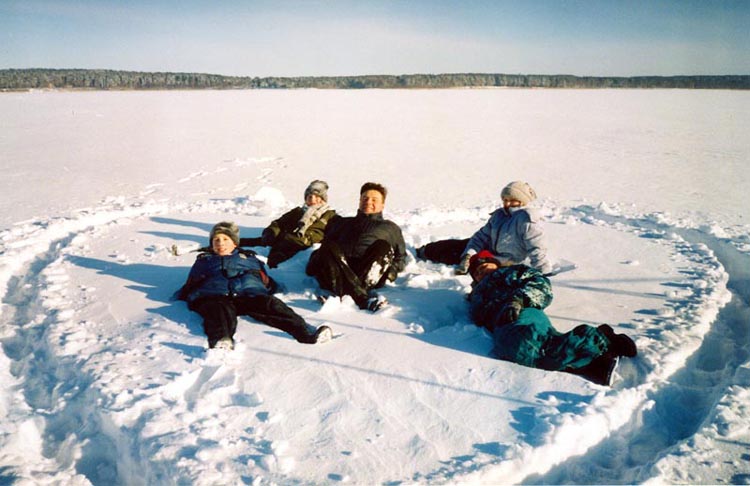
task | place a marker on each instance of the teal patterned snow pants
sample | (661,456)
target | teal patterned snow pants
(532,341)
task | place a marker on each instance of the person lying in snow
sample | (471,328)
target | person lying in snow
(508,302)
(512,233)
(360,253)
(226,282)
(297,229)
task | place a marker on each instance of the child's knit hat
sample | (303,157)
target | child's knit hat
(520,191)
(228,228)
(319,188)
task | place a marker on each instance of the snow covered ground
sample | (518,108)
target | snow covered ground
(105,380)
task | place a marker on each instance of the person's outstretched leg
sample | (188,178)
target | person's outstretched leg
(329,267)
(523,341)
(444,251)
(219,319)
(372,269)
(275,313)
(533,341)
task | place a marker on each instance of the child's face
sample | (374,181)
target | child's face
(483,270)
(313,200)
(511,203)
(222,244)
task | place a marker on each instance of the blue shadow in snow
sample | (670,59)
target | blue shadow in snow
(158,283)
(204,227)
(7,476)
(567,402)
(492,448)
(533,425)
(187,349)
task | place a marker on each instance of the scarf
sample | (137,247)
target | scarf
(310,215)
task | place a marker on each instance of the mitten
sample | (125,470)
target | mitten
(512,310)
(463,266)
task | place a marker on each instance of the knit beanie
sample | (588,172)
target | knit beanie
(319,188)
(226,228)
(520,191)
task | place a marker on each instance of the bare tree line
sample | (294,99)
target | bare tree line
(97,79)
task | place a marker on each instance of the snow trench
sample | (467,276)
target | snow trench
(655,431)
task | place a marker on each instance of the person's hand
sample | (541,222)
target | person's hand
(512,310)
(463,266)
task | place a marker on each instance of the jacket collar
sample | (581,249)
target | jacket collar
(373,216)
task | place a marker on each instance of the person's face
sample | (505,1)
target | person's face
(222,244)
(371,202)
(511,203)
(483,270)
(313,200)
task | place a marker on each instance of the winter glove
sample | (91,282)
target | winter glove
(511,311)
(391,274)
(463,266)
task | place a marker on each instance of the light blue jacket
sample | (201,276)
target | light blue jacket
(514,237)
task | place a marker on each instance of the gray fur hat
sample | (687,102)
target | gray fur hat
(228,228)
(520,191)
(319,188)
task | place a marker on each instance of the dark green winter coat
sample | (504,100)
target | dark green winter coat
(286,225)
(281,235)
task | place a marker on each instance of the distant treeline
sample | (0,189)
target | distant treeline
(23,79)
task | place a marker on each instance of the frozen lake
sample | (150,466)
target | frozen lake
(105,380)
(663,150)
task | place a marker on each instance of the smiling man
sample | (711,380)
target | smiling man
(360,253)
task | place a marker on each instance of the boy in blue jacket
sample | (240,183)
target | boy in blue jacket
(225,283)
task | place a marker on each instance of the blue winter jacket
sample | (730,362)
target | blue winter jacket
(513,236)
(238,274)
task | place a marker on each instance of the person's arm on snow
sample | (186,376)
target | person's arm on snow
(194,279)
(269,234)
(531,289)
(479,241)
(273,230)
(399,251)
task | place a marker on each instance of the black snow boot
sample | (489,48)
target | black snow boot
(621,345)
(323,335)
(599,371)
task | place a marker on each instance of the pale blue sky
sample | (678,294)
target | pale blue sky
(307,38)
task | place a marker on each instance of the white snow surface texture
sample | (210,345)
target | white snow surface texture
(105,380)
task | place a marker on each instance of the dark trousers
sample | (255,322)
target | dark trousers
(444,251)
(220,316)
(532,341)
(351,276)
